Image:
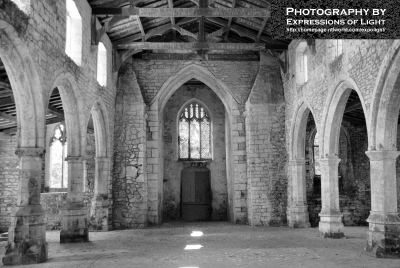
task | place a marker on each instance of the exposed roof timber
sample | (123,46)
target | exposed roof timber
(155,31)
(184,32)
(54,111)
(184,12)
(5,85)
(230,20)
(194,56)
(140,26)
(262,28)
(243,31)
(6,101)
(219,32)
(9,117)
(114,3)
(353,107)
(201,45)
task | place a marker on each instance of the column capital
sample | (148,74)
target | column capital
(329,160)
(74,159)
(379,155)
(29,152)
(297,162)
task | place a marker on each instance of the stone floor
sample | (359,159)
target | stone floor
(223,245)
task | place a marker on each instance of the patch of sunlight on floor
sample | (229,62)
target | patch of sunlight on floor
(196,233)
(193,247)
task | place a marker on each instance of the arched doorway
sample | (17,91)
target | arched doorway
(195,173)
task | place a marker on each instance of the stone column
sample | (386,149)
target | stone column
(330,224)
(384,223)
(298,209)
(99,211)
(27,232)
(74,227)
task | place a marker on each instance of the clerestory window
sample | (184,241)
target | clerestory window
(58,153)
(73,38)
(194,133)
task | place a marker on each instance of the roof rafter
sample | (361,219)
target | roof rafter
(184,12)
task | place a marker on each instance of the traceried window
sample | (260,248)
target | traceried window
(58,152)
(317,168)
(194,133)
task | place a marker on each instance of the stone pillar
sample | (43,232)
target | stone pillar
(330,224)
(27,232)
(383,238)
(298,209)
(74,227)
(99,211)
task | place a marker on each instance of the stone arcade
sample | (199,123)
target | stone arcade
(128,114)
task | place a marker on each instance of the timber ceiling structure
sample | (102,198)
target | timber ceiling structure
(187,29)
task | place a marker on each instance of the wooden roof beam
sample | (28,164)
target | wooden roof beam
(54,111)
(9,117)
(202,45)
(184,12)
(262,28)
(353,107)
(230,21)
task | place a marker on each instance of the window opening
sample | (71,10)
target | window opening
(338,47)
(73,38)
(194,133)
(58,153)
(305,67)
(317,168)
(102,65)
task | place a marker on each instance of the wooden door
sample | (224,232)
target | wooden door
(196,194)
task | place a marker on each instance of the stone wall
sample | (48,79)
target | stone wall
(129,178)
(265,147)
(173,167)
(9,178)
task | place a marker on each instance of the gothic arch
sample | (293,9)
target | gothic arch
(385,103)
(200,73)
(298,132)
(69,92)
(26,85)
(333,115)
(101,128)
(155,114)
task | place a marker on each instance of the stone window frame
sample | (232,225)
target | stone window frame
(301,63)
(73,35)
(210,116)
(63,140)
(102,64)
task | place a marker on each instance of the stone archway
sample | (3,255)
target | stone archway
(330,224)
(100,204)
(155,118)
(28,215)
(74,224)
(298,211)
(383,152)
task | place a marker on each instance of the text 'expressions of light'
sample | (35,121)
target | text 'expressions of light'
(196,233)
(189,247)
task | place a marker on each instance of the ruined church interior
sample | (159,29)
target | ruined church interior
(180,133)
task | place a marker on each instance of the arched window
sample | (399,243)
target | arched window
(338,44)
(58,152)
(102,65)
(194,133)
(73,38)
(317,168)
